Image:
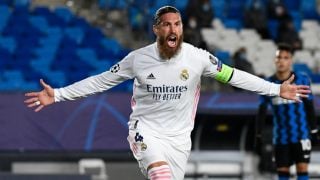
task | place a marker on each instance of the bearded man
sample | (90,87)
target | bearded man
(166,91)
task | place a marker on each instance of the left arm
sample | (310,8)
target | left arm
(226,74)
(253,83)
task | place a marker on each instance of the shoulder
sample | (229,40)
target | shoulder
(193,49)
(148,50)
(301,75)
(193,52)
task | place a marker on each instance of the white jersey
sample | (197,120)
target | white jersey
(166,92)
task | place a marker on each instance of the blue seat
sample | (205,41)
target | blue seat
(160,3)
(54,33)
(181,4)
(79,22)
(308,9)
(6,2)
(40,64)
(302,67)
(292,5)
(13,75)
(5,14)
(45,52)
(24,54)
(56,78)
(219,8)
(41,11)
(8,43)
(21,2)
(113,4)
(137,18)
(40,22)
(21,10)
(101,66)
(273,28)
(223,56)
(87,54)
(63,13)
(315,78)
(233,24)
(112,46)
(297,19)
(68,43)
(235,9)
(75,33)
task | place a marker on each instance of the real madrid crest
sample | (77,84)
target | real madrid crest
(143,147)
(184,75)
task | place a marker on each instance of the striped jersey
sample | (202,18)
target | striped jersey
(290,118)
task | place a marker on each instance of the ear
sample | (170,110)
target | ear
(155,30)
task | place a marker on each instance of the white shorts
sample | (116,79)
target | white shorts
(148,149)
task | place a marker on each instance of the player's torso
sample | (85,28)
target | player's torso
(166,91)
(290,124)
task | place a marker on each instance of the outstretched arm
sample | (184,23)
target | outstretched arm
(91,85)
(253,83)
(40,99)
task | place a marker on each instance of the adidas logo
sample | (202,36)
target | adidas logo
(151,76)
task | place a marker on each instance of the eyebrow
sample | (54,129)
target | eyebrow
(178,21)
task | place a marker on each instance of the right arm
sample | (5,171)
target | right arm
(91,85)
(95,84)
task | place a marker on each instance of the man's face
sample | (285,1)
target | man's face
(169,34)
(283,61)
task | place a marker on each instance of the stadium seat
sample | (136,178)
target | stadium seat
(6,2)
(75,33)
(292,5)
(273,28)
(233,24)
(64,13)
(235,9)
(5,14)
(181,4)
(8,43)
(40,22)
(224,56)
(219,8)
(302,67)
(21,2)
(56,78)
(308,9)
(297,20)
(304,56)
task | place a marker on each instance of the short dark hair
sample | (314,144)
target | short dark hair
(164,10)
(285,47)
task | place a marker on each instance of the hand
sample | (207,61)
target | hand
(292,91)
(40,99)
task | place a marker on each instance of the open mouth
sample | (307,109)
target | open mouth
(172,41)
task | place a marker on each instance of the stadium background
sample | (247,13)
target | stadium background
(63,41)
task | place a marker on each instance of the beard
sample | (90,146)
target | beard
(167,52)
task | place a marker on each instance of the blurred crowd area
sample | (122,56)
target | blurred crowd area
(63,41)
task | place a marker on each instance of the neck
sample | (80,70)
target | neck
(283,75)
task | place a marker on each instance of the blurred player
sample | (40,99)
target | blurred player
(166,92)
(294,123)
